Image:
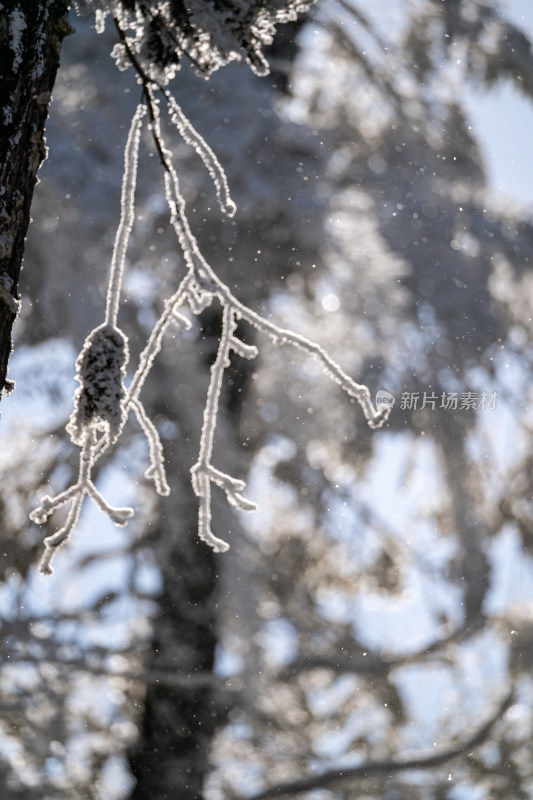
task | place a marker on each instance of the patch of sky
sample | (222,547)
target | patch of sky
(445,701)
(20,678)
(333,605)
(85,701)
(238,773)
(390,17)
(227,663)
(499,435)
(402,481)
(141,285)
(12,753)
(261,481)
(346,523)
(10,593)
(519,715)
(324,701)
(115,781)
(429,692)
(512,575)
(333,746)
(483,664)
(44,375)
(148,579)
(279,640)
(122,620)
(465,790)
(367,724)
(54,768)
(403,622)
(506,147)
(107,567)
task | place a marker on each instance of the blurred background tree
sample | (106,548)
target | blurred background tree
(369,634)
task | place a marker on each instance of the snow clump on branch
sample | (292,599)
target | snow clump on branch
(100,368)
(209,33)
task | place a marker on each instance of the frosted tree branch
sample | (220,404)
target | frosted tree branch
(340,776)
(211,163)
(75,495)
(156,470)
(127,205)
(102,403)
(203,472)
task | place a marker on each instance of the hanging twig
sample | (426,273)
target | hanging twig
(102,404)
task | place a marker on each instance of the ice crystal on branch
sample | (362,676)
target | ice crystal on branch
(208,33)
(101,403)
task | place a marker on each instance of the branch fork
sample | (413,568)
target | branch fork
(102,403)
(75,495)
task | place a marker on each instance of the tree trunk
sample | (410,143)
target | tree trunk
(31,33)
(171,757)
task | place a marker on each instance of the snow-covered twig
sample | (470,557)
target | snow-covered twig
(211,162)
(102,403)
(156,470)
(127,205)
(203,472)
(75,495)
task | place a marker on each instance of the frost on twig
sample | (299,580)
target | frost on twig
(102,403)
(156,470)
(203,472)
(98,410)
(127,206)
(75,495)
(208,34)
(211,162)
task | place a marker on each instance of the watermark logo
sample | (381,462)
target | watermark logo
(384,399)
(445,401)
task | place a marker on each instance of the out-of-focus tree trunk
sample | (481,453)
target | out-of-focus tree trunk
(171,757)
(31,34)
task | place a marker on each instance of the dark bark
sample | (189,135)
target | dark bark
(31,34)
(171,758)
(178,723)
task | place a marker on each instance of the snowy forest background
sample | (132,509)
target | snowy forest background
(370,632)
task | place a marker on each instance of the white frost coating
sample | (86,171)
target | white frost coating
(208,34)
(100,368)
(100,20)
(102,404)
(203,472)
(156,470)
(126,217)
(82,7)
(75,495)
(17,26)
(211,162)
